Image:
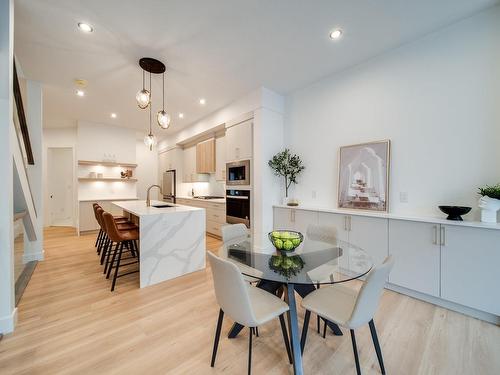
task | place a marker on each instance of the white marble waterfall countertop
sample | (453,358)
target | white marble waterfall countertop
(139,208)
(171,239)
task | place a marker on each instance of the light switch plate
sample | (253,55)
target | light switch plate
(403,196)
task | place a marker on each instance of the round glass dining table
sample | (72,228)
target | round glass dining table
(317,261)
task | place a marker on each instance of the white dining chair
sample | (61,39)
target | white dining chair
(233,233)
(317,235)
(244,303)
(350,309)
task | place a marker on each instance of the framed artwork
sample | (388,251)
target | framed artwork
(364,176)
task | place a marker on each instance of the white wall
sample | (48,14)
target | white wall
(100,142)
(436,99)
(147,170)
(7,304)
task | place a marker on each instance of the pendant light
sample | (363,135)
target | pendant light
(163,117)
(150,139)
(143,97)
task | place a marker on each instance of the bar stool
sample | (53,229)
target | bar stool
(101,236)
(120,238)
(108,243)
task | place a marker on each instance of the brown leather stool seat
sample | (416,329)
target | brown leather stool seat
(121,238)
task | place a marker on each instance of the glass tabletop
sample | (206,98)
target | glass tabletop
(313,262)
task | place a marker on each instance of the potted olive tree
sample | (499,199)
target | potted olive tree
(288,166)
(489,203)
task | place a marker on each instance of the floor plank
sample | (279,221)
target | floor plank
(70,323)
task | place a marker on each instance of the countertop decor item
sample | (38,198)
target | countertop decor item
(92,175)
(364,176)
(285,240)
(455,212)
(288,166)
(489,203)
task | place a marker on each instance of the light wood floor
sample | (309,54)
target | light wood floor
(70,323)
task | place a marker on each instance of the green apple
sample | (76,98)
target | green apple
(288,245)
(296,241)
(278,243)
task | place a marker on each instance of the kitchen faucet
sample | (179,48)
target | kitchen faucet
(148,200)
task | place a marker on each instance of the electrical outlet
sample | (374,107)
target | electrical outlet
(403,196)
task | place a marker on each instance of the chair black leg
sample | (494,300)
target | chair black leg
(355,350)
(217,336)
(115,276)
(304,331)
(98,238)
(250,352)
(285,338)
(377,346)
(257,331)
(106,248)
(324,330)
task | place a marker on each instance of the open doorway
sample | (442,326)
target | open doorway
(60,186)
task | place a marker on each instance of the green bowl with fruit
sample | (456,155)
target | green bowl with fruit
(285,240)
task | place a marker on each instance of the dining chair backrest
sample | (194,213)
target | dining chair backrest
(231,291)
(323,233)
(233,231)
(369,295)
(110,227)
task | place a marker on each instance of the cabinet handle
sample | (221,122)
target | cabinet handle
(345,223)
(350,223)
(435,238)
(443,236)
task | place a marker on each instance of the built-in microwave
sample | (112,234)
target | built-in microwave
(238,173)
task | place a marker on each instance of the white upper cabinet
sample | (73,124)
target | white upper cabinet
(416,251)
(470,259)
(189,163)
(239,141)
(220,158)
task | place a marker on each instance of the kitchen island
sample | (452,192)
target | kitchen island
(171,239)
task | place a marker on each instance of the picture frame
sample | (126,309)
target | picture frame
(363,181)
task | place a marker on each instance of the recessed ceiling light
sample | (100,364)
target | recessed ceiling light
(85,27)
(336,34)
(181,115)
(80,93)
(202,101)
(113,115)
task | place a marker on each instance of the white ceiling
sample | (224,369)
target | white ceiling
(217,49)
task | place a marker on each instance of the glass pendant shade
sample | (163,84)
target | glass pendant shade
(150,141)
(163,119)
(143,98)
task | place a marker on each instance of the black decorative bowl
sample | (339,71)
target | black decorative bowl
(455,212)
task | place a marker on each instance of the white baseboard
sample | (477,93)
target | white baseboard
(491,318)
(34,256)
(7,323)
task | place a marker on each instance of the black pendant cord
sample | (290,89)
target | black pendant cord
(163,92)
(143,73)
(150,101)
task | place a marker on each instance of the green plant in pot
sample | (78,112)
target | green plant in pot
(289,166)
(489,203)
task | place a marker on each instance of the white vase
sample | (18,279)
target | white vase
(489,209)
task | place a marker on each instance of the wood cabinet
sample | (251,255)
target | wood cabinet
(239,141)
(215,213)
(470,258)
(220,158)
(416,250)
(205,156)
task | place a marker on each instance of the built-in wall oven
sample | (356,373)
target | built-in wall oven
(238,207)
(238,173)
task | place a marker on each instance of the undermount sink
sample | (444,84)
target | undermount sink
(162,205)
